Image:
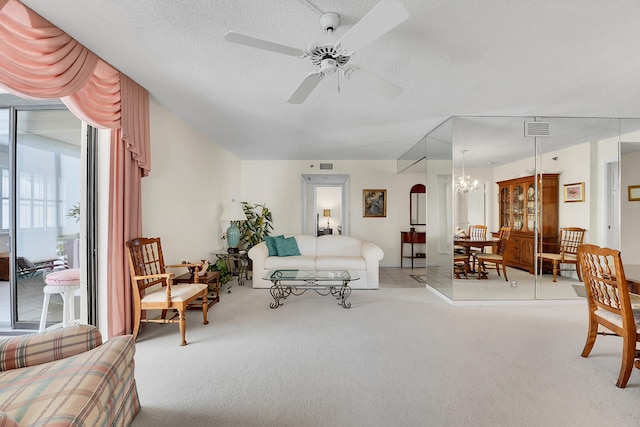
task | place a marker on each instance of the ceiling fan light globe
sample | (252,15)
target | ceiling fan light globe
(328,66)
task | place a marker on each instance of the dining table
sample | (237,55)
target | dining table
(471,242)
(632,274)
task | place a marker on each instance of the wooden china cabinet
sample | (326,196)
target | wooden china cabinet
(517,201)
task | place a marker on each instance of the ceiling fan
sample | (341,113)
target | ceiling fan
(331,54)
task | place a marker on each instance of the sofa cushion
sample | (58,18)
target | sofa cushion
(271,244)
(337,245)
(287,247)
(306,244)
(332,262)
(301,262)
(35,349)
(94,388)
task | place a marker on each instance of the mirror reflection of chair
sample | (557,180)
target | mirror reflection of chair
(147,268)
(476,232)
(496,258)
(609,303)
(461,266)
(569,239)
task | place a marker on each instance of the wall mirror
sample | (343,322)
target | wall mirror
(418,205)
(599,153)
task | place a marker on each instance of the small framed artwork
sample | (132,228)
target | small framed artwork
(634,193)
(374,203)
(574,192)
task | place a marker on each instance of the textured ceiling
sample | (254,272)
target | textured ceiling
(452,57)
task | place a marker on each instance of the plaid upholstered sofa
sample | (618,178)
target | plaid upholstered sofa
(67,377)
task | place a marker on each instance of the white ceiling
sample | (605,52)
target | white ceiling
(452,57)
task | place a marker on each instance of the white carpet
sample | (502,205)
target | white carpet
(398,357)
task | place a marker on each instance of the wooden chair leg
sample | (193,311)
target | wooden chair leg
(183,326)
(136,323)
(591,336)
(205,306)
(504,270)
(628,355)
(555,269)
(498,269)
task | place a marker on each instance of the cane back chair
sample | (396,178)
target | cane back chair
(153,287)
(609,303)
(569,239)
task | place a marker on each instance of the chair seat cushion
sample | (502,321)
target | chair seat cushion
(558,257)
(179,293)
(489,257)
(69,276)
(617,319)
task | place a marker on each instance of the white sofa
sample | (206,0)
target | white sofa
(328,252)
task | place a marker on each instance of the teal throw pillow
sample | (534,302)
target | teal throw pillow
(287,246)
(271,244)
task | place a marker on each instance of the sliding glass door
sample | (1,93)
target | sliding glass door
(41,170)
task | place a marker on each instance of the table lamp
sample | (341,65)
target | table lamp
(327,213)
(233,212)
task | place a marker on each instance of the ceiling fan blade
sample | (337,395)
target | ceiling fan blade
(305,88)
(366,80)
(232,37)
(381,19)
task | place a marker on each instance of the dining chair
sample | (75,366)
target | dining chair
(496,258)
(477,232)
(609,303)
(569,238)
(153,287)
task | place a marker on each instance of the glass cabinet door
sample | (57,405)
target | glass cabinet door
(518,207)
(531,207)
(505,207)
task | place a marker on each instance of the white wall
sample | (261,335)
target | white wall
(278,185)
(190,181)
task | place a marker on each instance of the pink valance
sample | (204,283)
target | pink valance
(98,101)
(38,59)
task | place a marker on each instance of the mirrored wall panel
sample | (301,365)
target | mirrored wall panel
(510,198)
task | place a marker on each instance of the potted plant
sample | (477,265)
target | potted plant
(221,266)
(257,226)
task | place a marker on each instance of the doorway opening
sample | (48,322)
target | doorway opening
(325,210)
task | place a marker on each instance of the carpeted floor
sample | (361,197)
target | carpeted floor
(398,357)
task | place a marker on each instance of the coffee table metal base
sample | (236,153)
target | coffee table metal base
(280,291)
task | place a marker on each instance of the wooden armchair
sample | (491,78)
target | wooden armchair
(153,287)
(609,303)
(569,239)
(496,258)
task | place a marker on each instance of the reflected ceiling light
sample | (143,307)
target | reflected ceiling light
(463,182)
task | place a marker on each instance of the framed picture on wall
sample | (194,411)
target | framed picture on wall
(634,193)
(574,192)
(374,203)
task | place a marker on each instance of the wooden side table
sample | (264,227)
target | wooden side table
(212,278)
(411,237)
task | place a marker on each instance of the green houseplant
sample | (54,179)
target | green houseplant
(258,225)
(221,266)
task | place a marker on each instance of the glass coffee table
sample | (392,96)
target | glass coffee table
(323,282)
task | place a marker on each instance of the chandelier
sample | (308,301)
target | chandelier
(463,183)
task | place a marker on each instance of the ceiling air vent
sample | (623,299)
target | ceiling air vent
(326,166)
(537,129)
